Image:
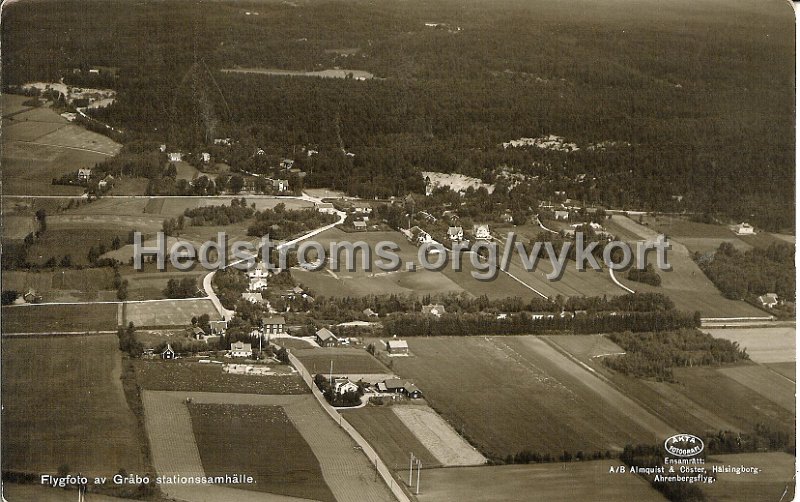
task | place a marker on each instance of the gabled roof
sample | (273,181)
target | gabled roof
(397,344)
(240,346)
(168,348)
(276,319)
(325,334)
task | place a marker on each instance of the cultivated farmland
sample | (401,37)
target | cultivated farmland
(522,483)
(226,436)
(770,384)
(390,437)
(763,345)
(63,404)
(167,312)
(437,436)
(45,318)
(775,480)
(193,376)
(540,401)
(346,361)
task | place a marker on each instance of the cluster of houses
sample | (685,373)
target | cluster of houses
(393,387)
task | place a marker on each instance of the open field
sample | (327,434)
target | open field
(346,361)
(522,483)
(586,347)
(564,406)
(335,73)
(58,242)
(342,282)
(685,284)
(18,227)
(734,402)
(168,313)
(150,285)
(226,436)
(74,136)
(774,482)
(389,436)
(185,170)
(192,376)
(13,104)
(789,370)
(63,404)
(763,345)
(770,384)
(45,318)
(437,436)
(346,471)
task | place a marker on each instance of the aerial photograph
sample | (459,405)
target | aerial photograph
(398,250)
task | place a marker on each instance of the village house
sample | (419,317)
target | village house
(218,327)
(325,207)
(561,214)
(287,164)
(84,174)
(258,277)
(105,182)
(222,141)
(543,315)
(397,386)
(343,385)
(197,332)
(434,309)
(168,353)
(325,338)
(274,325)
(369,312)
(455,234)
(175,156)
(254,298)
(162,148)
(744,229)
(280,185)
(360,225)
(481,232)
(397,347)
(768,300)
(205,157)
(418,236)
(241,349)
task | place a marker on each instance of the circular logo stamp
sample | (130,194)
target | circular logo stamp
(684,445)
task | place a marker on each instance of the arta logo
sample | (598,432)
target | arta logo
(684,445)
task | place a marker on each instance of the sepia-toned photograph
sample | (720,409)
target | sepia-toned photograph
(398,250)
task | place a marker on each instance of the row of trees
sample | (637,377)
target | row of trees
(220,215)
(408,325)
(281,223)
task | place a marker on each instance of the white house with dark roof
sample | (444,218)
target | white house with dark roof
(481,232)
(343,386)
(434,309)
(274,325)
(455,234)
(744,228)
(168,353)
(84,174)
(769,300)
(241,349)
(397,347)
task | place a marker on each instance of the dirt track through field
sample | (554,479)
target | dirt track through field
(346,470)
(438,437)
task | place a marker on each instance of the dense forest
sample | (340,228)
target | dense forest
(748,274)
(693,100)
(653,355)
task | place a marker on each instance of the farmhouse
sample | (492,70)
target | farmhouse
(325,338)
(455,234)
(360,225)
(168,353)
(744,229)
(343,386)
(241,349)
(397,386)
(287,164)
(434,309)
(222,141)
(561,215)
(369,312)
(418,236)
(205,157)
(481,232)
(84,174)
(768,300)
(543,315)
(197,332)
(175,156)
(397,347)
(274,325)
